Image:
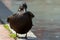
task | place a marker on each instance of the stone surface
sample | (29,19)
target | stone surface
(4,34)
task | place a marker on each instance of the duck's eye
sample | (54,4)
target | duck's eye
(19,9)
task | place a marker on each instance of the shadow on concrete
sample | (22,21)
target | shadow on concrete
(29,38)
(32,38)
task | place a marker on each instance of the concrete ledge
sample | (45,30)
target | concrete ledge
(4,33)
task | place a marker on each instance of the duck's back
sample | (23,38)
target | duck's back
(21,23)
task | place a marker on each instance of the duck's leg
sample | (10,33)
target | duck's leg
(16,37)
(26,36)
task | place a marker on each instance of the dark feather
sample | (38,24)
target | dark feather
(21,23)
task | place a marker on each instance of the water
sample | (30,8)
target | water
(46,12)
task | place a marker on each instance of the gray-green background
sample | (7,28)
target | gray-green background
(47,12)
